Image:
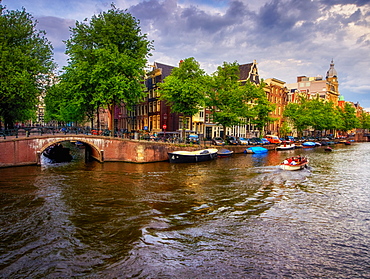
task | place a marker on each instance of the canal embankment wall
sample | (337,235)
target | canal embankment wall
(27,151)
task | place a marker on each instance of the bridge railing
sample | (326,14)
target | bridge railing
(46,130)
(20,132)
(38,130)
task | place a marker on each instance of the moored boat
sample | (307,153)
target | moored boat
(294,163)
(308,144)
(192,156)
(285,146)
(256,150)
(224,153)
(57,153)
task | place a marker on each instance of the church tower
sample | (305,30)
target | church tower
(332,84)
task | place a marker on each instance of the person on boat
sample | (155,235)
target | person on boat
(286,162)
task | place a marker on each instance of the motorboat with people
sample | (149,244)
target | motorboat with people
(294,163)
(192,156)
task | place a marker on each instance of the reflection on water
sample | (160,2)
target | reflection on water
(238,217)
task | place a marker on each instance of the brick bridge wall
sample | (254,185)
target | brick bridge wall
(27,151)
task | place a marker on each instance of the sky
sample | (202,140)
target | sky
(287,38)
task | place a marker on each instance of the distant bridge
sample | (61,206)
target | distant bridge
(27,150)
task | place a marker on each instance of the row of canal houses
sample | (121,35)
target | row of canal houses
(153,115)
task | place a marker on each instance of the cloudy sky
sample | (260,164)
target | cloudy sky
(287,38)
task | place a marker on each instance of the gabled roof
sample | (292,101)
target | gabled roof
(249,72)
(166,69)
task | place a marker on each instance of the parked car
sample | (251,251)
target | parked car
(289,138)
(273,139)
(192,138)
(265,141)
(231,140)
(218,141)
(243,141)
(298,139)
(257,141)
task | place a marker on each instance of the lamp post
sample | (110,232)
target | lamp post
(164,123)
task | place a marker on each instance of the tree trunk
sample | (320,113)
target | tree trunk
(97,120)
(111,119)
(224,135)
(184,123)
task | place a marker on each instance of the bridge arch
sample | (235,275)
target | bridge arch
(95,153)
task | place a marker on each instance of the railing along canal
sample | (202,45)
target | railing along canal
(40,131)
(52,130)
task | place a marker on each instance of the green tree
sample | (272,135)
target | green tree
(322,115)
(228,99)
(364,120)
(285,129)
(108,55)
(298,114)
(25,66)
(348,117)
(62,106)
(185,88)
(262,107)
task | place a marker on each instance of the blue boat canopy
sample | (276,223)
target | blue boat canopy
(258,149)
(308,143)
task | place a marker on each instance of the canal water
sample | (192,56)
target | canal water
(238,217)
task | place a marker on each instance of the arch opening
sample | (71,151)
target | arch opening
(59,151)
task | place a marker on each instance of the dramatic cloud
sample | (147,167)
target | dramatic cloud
(288,38)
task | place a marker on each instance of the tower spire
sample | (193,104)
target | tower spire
(331,72)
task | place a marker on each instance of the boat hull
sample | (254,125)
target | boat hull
(192,156)
(294,163)
(256,150)
(285,147)
(58,154)
(224,153)
(293,167)
(308,144)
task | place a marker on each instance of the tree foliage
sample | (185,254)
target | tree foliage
(234,103)
(262,106)
(25,65)
(320,115)
(185,88)
(228,99)
(364,121)
(298,115)
(348,118)
(108,55)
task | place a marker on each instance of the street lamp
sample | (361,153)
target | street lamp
(164,123)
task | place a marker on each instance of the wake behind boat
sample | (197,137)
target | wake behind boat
(192,156)
(294,163)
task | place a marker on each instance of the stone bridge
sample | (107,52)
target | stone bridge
(28,150)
